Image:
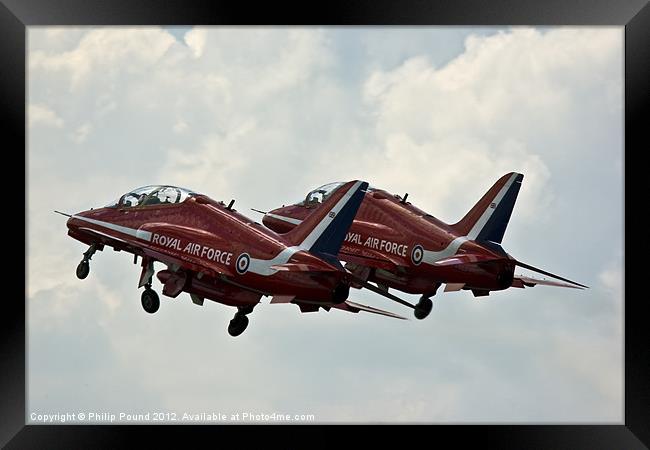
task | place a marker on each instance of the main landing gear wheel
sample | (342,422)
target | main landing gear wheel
(83,269)
(423,308)
(237,325)
(150,301)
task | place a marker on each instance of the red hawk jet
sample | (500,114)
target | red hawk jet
(396,245)
(213,252)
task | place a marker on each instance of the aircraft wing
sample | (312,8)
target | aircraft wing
(356,307)
(347,305)
(293,267)
(521,281)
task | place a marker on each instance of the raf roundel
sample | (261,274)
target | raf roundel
(243,261)
(417,254)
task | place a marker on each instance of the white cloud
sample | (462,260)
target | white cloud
(489,111)
(180,126)
(106,50)
(612,279)
(42,115)
(195,40)
(217,159)
(81,133)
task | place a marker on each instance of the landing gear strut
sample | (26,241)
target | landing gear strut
(239,323)
(149,299)
(83,269)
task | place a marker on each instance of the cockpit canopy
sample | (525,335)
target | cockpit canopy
(320,194)
(152,195)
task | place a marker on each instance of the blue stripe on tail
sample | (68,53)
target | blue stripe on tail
(495,227)
(330,241)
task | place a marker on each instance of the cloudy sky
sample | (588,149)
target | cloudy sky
(263,115)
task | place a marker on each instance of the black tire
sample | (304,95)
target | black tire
(237,325)
(150,301)
(423,308)
(83,269)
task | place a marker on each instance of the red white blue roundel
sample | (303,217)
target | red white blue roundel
(243,261)
(417,254)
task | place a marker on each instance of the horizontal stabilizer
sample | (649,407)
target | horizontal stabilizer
(543,272)
(356,307)
(521,281)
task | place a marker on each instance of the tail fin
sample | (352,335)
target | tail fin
(324,230)
(488,219)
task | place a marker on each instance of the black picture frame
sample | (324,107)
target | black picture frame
(16,15)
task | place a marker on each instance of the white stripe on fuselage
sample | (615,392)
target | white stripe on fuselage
(431,257)
(263,266)
(286,219)
(140,234)
(258,266)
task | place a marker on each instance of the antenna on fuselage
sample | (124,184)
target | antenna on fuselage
(403,201)
(232,202)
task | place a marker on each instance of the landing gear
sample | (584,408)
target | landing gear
(238,324)
(150,300)
(83,269)
(423,307)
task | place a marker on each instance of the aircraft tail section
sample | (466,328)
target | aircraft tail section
(488,219)
(323,231)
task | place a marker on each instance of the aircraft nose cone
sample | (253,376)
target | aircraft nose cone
(73,222)
(268,217)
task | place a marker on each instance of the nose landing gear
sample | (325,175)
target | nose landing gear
(83,269)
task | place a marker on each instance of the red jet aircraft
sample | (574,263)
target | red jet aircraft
(395,244)
(213,252)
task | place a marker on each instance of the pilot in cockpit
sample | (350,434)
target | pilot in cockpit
(152,199)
